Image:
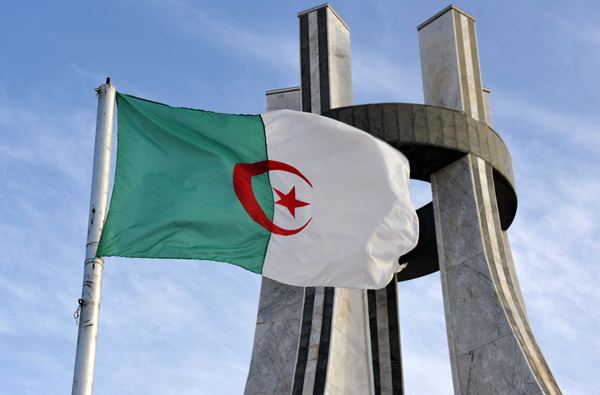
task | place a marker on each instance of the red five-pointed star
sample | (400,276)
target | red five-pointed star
(289,201)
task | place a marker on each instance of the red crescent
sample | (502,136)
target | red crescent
(242,184)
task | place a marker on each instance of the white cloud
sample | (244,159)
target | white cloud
(180,312)
(217,29)
(538,122)
(554,236)
(378,80)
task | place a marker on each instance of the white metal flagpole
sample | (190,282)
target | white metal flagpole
(89,303)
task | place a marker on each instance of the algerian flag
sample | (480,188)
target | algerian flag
(297,197)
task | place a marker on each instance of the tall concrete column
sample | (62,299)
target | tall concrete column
(324,340)
(492,348)
(384,329)
(325,65)
(276,337)
(450,63)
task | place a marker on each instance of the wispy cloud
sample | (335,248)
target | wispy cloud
(537,121)
(51,138)
(217,29)
(555,233)
(588,34)
(378,79)
(174,308)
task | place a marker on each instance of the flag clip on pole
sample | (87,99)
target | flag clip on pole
(92,273)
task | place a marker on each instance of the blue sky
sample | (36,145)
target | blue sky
(187,327)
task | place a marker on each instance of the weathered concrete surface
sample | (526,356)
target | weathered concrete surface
(492,348)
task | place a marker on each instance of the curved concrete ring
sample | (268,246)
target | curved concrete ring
(432,138)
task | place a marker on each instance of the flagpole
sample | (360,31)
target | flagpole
(89,303)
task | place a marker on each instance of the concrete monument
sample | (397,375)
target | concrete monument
(343,341)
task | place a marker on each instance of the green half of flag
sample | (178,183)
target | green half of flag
(173,194)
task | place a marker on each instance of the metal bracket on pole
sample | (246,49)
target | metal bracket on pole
(92,273)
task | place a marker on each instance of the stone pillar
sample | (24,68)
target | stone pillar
(284,99)
(334,350)
(278,321)
(487,107)
(325,66)
(450,63)
(492,348)
(314,341)
(384,330)
(324,340)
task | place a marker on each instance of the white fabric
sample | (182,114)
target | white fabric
(362,216)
